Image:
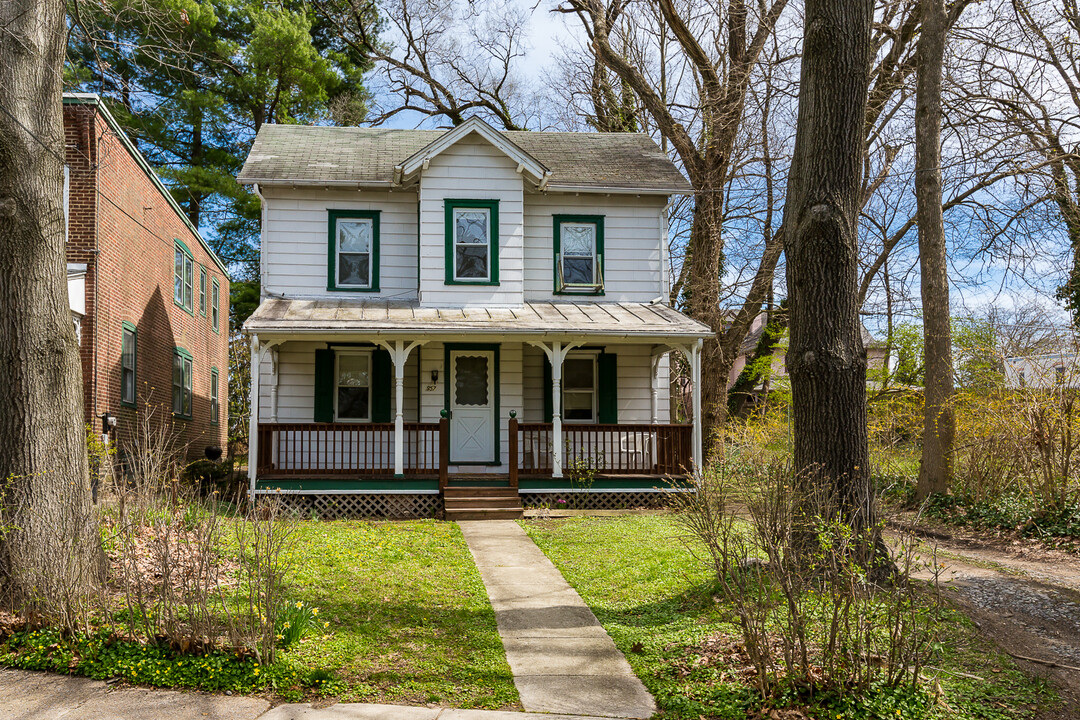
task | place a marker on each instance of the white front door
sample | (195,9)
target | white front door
(472,406)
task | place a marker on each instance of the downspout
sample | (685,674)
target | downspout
(262,239)
(91,155)
(665,270)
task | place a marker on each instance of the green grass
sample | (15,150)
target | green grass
(657,603)
(409,619)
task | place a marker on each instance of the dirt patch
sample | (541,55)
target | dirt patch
(1023,596)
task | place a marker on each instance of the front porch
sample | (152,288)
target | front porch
(541,406)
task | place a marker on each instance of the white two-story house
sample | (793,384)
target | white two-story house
(466,315)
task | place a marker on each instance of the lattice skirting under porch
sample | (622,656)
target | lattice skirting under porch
(361,506)
(595,500)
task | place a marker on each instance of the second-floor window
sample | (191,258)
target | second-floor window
(472,242)
(579,254)
(183,278)
(127,364)
(202,291)
(353,260)
(352,401)
(181,383)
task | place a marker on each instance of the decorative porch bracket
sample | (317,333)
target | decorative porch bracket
(692,353)
(399,354)
(556,354)
(257,350)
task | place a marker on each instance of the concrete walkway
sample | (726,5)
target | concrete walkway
(562,659)
(46,696)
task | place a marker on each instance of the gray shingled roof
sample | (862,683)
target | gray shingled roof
(311,154)
(381,317)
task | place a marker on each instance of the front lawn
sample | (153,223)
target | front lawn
(659,605)
(409,619)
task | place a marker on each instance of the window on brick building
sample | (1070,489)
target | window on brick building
(127,364)
(183,278)
(181,383)
(215,305)
(213,396)
(202,291)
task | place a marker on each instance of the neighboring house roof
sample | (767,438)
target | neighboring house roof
(537,318)
(94,100)
(368,157)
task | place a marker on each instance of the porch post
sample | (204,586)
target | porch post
(556,409)
(273,384)
(399,353)
(695,370)
(253,420)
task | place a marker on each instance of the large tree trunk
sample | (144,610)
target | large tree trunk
(826,358)
(704,296)
(938,421)
(49,552)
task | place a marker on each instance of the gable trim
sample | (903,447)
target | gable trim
(421,158)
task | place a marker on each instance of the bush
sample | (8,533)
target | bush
(810,617)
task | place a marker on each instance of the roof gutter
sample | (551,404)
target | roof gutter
(308,182)
(608,190)
(452,331)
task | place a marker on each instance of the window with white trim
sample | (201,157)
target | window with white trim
(579,393)
(202,291)
(352,395)
(472,243)
(214,406)
(183,278)
(127,365)
(354,244)
(181,384)
(579,254)
(215,305)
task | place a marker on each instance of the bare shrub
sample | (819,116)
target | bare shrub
(811,617)
(185,570)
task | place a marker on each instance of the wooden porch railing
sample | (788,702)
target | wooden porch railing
(610,449)
(345,449)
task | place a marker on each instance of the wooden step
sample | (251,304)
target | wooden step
(484,514)
(472,492)
(458,503)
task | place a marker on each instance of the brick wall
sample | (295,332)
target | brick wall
(125,230)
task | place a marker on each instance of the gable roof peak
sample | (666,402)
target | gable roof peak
(475,124)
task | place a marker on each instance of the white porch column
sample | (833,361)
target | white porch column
(253,420)
(556,354)
(273,384)
(695,365)
(399,354)
(657,355)
(556,408)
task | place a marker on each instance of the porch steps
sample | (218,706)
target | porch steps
(482,502)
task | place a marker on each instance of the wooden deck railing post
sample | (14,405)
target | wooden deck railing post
(512,448)
(444,451)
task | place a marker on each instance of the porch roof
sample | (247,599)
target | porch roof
(639,321)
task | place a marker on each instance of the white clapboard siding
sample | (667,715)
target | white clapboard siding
(634,389)
(295,241)
(633,227)
(296,384)
(471,169)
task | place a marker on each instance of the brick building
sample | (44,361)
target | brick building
(149,296)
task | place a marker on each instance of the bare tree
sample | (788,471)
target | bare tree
(938,421)
(43,460)
(826,358)
(441,59)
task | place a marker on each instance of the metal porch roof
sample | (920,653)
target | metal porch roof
(403,319)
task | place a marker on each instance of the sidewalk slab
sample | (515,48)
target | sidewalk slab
(26,695)
(365,711)
(562,659)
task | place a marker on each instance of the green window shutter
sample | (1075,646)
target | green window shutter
(607,367)
(549,411)
(382,382)
(324,386)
